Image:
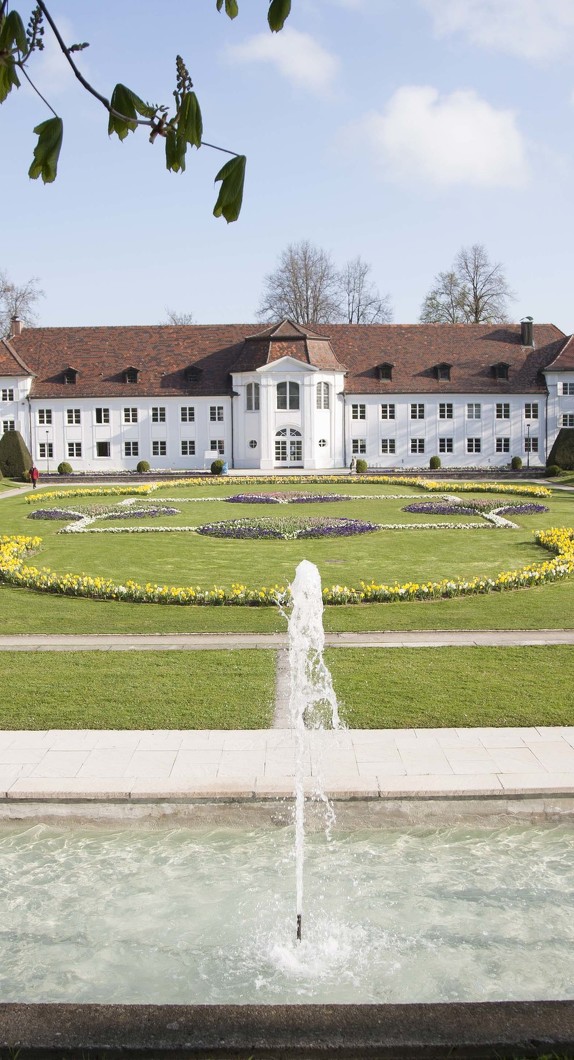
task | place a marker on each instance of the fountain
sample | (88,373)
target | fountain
(312,700)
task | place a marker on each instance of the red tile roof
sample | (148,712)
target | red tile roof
(163,353)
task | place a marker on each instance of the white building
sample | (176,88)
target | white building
(177,396)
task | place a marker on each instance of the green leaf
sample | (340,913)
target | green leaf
(175,149)
(231,7)
(47,150)
(190,124)
(12,33)
(279,11)
(127,106)
(232,177)
(8,79)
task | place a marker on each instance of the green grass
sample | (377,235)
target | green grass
(454,687)
(544,607)
(137,690)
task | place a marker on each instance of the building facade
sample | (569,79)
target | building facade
(104,398)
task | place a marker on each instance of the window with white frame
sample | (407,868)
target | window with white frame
(252,397)
(187,413)
(9,425)
(287,396)
(7,394)
(158,414)
(567,389)
(73,416)
(358,412)
(503,445)
(359,446)
(531,444)
(502,410)
(387,411)
(388,445)
(473,410)
(445,445)
(130,415)
(159,448)
(131,449)
(216,413)
(45,416)
(75,449)
(445,410)
(217,445)
(417,445)
(187,447)
(568,419)
(531,410)
(473,445)
(102,415)
(417,411)
(46,450)
(323,400)
(102,449)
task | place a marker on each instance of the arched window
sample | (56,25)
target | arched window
(288,446)
(287,395)
(252,397)
(323,395)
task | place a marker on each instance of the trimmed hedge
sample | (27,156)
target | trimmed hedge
(562,452)
(15,458)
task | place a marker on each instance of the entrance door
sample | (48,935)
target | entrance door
(288,446)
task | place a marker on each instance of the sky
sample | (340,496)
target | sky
(397,130)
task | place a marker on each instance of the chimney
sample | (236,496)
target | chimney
(526,336)
(16,327)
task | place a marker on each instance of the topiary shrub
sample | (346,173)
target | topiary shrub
(552,470)
(562,452)
(516,463)
(434,462)
(142,467)
(64,468)
(15,458)
(217,467)
(361,467)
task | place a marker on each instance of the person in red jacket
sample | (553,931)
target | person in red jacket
(34,476)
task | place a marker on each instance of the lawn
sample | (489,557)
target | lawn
(137,690)
(454,687)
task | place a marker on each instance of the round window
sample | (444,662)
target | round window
(253,444)
(322,442)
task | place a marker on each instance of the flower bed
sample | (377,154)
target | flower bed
(55,513)
(287,529)
(14,553)
(407,480)
(140,513)
(287,498)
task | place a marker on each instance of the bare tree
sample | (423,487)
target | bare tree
(361,302)
(444,302)
(304,287)
(474,291)
(18,302)
(173,317)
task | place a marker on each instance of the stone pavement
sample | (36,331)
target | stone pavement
(233,641)
(241,765)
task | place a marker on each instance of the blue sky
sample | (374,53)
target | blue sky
(398,130)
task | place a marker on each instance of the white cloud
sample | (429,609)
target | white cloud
(534,29)
(445,141)
(297,56)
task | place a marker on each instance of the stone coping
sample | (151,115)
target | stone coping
(128,765)
(275,1032)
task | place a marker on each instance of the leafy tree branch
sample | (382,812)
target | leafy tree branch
(127,111)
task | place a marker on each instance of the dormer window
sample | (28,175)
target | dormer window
(443,372)
(131,375)
(500,370)
(385,370)
(192,373)
(71,375)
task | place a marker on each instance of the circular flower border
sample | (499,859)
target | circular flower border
(15,553)
(287,529)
